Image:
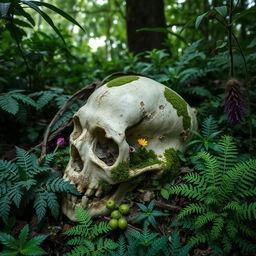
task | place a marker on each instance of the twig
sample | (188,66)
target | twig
(168,206)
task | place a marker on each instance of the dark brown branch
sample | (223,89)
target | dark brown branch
(168,206)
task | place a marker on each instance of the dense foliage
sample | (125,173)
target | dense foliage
(48,52)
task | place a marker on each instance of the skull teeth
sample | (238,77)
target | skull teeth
(99,192)
(90,192)
(85,201)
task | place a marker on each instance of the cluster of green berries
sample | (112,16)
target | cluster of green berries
(116,215)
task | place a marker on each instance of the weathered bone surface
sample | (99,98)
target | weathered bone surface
(115,116)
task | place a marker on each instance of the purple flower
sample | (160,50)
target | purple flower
(60,141)
(234,101)
(132,149)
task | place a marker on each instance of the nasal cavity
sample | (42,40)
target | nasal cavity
(77,128)
(77,163)
(105,149)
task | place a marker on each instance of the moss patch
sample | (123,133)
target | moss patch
(121,172)
(180,105)
(171,163)
(122,80)
(106,187)
(139,159)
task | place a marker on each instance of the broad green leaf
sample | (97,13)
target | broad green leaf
(21,11)
(4,8)
(244,13)
(151,205)
(199,19)
(221,10)
(142,207)
(45,16)
(8,241)
(33,250)
(165,194)
(23,235)
(21,23)
(252,44)
(59,11)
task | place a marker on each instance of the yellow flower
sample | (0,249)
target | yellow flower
(143,142)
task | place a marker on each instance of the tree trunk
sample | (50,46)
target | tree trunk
(144,14)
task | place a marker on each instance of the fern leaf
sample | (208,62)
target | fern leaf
(5,208)
(60,185)
(227,245)
(24,99)
(187,191)
(15,195)
(246,245)
(40,204)
(77,251)
(83,217)
(9,171)
(109,244)
(24,161)
(53,204)
(78,230)
(200,238)
(218,225)
(8,104)
(99,229)
(157,245)
(205,219)
(195,179)
(78,240)
(44,99)
(191,210)
(209,126)
(121,245)
(247,230)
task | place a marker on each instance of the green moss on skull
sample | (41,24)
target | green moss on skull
(122,80)
(171,164)
(121,172)
(180,105)
(138,159)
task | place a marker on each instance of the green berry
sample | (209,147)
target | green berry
(124,208)
(111,204)
(113,223)
(122,223)
(115,214)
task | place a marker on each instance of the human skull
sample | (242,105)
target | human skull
(115,116)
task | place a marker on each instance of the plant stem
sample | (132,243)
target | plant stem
(229,27)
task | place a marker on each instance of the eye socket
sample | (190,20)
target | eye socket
(77,128)
(77,163)
(105,149)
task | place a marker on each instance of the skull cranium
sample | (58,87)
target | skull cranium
(115,116)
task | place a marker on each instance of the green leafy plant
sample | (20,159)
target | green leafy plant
(10,10)
(207,139)
(150,244)
(87,240)
(223,196)
(28,180)
(12,102)
(148,214)
(22,246)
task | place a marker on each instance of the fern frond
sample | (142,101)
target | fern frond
(195,179)
(40,204)
(231,229)
(218,226)
(99,229)
(5,186)
(209,126)
(5,203)
(121,247)
(67,115)
(15,195)
(247,230)
(52,202)
(77,240)
(192,209)
(227,244)
(246,245)
(9,171)
(200,238)
(109,244)
(78,230)
(24,99)
(83,217)
(157,246)
(8,104)
(24,161)
(187,190)
(205,219)
(60,185)
(77,251)
(229,153)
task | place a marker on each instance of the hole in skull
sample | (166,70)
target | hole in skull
(77,163)
(106,149)
(77,128)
